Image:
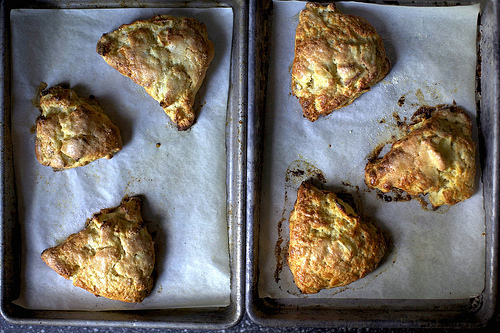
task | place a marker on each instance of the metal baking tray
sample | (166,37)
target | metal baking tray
(383,313)
(10,246)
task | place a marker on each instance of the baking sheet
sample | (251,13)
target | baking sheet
(435,254)
(181,175)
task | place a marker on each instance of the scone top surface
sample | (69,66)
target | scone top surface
(73,131)
(436,157)
(330,245)
(337,58)
(112,257)
(167,55)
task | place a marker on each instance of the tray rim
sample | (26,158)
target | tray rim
(465,313)
(177,318)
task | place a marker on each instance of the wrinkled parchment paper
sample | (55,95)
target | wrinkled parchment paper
(434,254)
(181,175)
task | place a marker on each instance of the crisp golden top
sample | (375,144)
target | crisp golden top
(337,58)
(330,245)
(436,157)
(73,131)
(112,257)
(166,55)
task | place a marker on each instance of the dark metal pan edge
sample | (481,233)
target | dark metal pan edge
(465,313)
(189,318)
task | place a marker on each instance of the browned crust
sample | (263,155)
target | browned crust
(338,57)
(112,257)
(73,131)
(436,157)
(167,55)
(330,245)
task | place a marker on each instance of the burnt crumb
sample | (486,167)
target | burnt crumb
(397,196)
(346,184)
(384,197)
(321,177)
(400,123)
(382,121)
(424,112)
(297,173)
(400,195)
(402,100)
(158,144)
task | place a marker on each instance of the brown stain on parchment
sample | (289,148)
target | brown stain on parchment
(35,101)
(297,172)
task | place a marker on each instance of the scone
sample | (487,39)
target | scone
(73,131)
(167,55)
(436,157)
(337,58)
(330,245)
(112,257)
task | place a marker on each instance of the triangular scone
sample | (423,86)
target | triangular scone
(112,257)
(436,157)
(73,131)
(330,245)
(337,58)
(167,55)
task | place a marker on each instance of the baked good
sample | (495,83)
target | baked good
(436,157)
(73,131)
(330,245)
(167,55)
(337,58)
(113,256)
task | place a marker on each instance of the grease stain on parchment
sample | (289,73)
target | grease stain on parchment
(297,172)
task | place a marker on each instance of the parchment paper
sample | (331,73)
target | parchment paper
(434,254)
(181,175)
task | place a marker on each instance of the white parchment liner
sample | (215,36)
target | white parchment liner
(435,254)
(181,175)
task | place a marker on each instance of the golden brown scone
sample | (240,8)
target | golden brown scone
(330,245)
(167,55)
(337,58)
(73,131)
(112,257)
(436,157)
